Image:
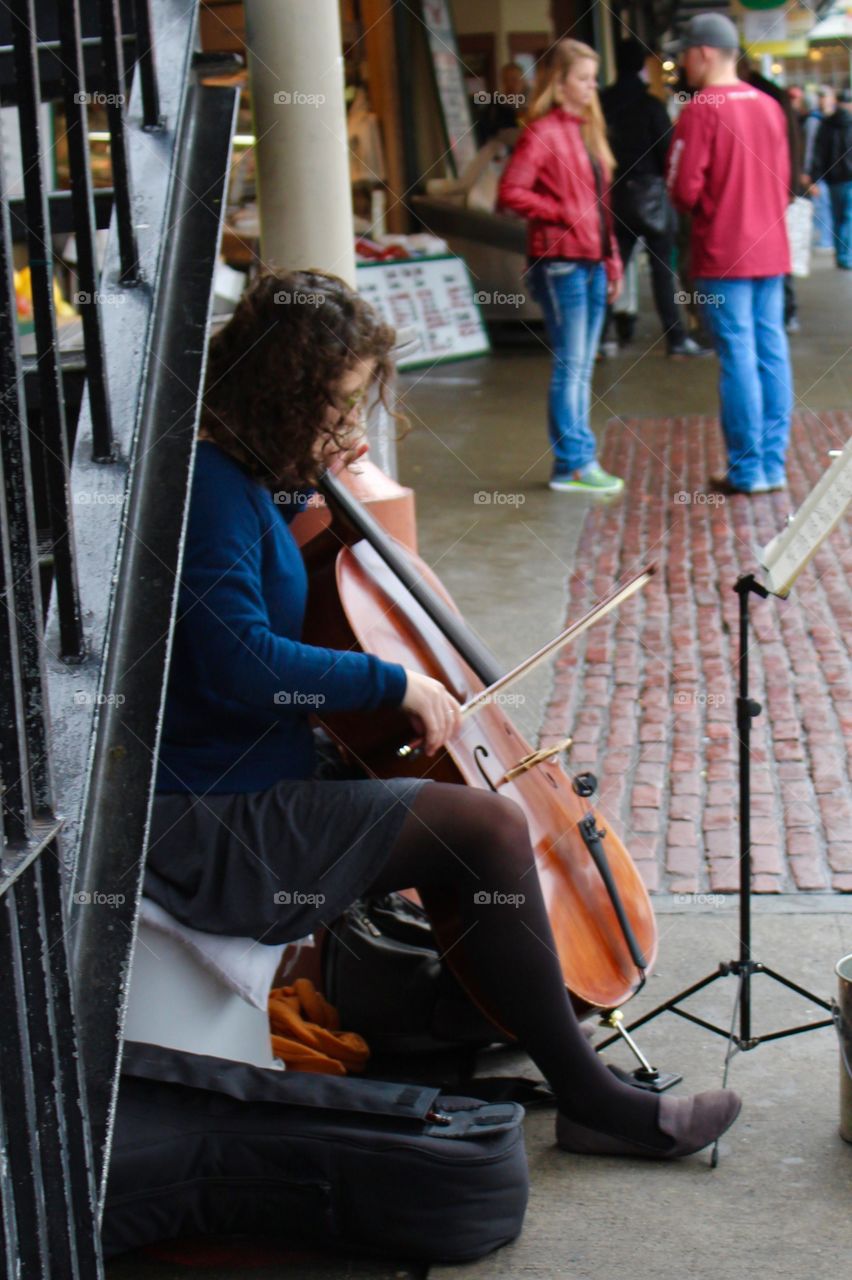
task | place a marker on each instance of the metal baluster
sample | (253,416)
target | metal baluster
(112,54)
(18,1094)
(43,1063)
(13,745)
(88,303)
(147,66)
(47,345)
(70,1081)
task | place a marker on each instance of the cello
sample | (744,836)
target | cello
(368,591)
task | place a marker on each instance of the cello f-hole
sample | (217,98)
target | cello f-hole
(478,753)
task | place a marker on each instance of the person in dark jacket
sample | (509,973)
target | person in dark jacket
(832,163)
(245,838)
(639,134)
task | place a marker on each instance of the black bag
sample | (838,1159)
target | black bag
(382,971)
(204,1146)
(643,204)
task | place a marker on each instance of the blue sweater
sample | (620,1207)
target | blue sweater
(241,685)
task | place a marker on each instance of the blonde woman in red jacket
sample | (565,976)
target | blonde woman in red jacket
(558,178)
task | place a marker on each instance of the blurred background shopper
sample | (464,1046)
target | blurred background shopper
(558,178)
(729,166)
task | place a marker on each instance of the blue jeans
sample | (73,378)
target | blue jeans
(823,223)
(572,297)
(840,195)
(746,320)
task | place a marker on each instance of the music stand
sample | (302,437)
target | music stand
(782,560)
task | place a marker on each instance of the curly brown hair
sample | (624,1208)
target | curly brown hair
(272,369)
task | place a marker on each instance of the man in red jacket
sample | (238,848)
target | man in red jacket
(729,167)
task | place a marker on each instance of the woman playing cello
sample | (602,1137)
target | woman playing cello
(245,839)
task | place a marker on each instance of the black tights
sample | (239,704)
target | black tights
(470,851)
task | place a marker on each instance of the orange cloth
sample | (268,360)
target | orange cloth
(305,1032)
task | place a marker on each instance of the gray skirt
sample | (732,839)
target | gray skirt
(273,865)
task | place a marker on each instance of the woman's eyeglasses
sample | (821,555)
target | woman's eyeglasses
(345,404)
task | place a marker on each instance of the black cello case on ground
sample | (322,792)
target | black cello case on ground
(206,1146)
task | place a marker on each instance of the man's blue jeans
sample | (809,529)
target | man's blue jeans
(572,297)
(746,320)
(840,194)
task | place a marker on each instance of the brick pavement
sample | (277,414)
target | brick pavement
(649,693)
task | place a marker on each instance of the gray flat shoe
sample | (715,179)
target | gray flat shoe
(693,1122)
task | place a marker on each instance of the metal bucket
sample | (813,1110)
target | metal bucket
(843,1021)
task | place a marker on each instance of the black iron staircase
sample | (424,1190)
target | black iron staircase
(95,465)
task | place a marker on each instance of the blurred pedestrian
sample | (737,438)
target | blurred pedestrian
(558,178)
(832,163)
(819,107)
(639,134)
(729,165)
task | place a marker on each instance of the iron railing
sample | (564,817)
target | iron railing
(92,506)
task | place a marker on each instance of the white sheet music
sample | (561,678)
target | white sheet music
(784,558)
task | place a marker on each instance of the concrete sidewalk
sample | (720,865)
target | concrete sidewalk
(779,1201)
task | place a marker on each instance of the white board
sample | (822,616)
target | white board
(435,296)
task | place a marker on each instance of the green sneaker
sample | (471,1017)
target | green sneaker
(592,479)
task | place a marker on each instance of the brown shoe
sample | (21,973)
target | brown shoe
(692,1123)
(721,484)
